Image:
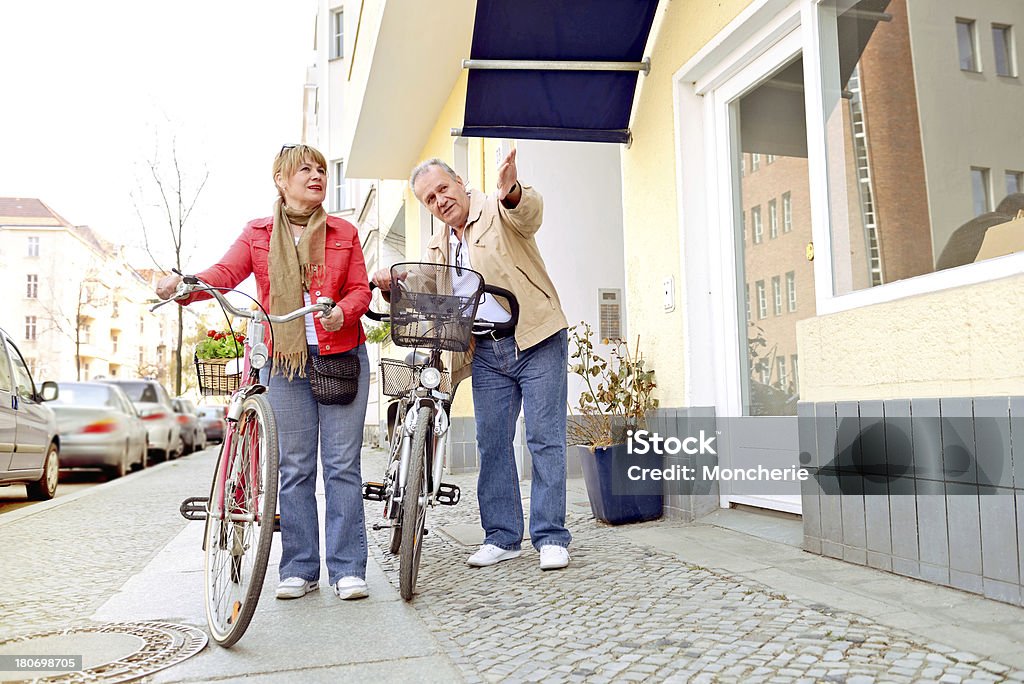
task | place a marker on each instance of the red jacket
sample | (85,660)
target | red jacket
(344,280)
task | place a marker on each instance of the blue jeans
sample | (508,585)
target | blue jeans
(301,423)
(502,382)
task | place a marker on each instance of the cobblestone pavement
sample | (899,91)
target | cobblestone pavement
(61,563)
(622,612)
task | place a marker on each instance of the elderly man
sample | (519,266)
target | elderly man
(494,235)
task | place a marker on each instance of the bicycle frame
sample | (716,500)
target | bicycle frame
(256,357)
(412,404)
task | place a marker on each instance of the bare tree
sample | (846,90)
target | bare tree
(177,193)
(75,324)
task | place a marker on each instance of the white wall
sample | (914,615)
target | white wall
(581,239)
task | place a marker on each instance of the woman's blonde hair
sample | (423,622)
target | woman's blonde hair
(291,157)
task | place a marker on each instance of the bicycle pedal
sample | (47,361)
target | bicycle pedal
(194,508)
(373,491)
(448,494)
(277,522)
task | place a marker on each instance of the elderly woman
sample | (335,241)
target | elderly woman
(297,255)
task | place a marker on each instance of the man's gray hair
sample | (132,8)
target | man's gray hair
(424,166)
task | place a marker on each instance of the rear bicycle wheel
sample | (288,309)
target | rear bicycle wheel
(414,506)
(238,546)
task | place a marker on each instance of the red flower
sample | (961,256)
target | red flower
(211,333)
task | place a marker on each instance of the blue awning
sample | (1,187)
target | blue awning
(589,100)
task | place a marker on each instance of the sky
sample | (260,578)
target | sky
(94,91)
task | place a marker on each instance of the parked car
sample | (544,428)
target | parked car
(193,436)
(29,444)
(154,406)
(213,419)
(99,428)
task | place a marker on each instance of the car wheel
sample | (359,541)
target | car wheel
(45,487)
(143,457)
(120,469)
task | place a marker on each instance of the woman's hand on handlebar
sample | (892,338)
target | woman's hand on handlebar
(167,287)
(333,320)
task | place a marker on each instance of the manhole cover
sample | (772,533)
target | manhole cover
(117,652)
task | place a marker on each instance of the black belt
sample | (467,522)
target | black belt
(496,334)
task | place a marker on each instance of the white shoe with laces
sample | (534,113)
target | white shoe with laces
(295,587)
(489,554)
(553,557)
(351,588)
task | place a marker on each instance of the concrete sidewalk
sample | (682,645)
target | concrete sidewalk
(660,601)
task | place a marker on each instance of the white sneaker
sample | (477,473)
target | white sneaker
(489,554)
(351,588)
(553,557)
(295,587)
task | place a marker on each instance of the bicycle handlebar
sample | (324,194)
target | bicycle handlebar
(191,283)
(478,326)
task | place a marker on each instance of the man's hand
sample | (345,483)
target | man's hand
(333,320)
(167,286)
(508,180)
(382,279)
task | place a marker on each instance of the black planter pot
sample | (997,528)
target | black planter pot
(614,498)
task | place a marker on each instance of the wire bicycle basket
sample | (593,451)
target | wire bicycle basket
(399,378)
(434,305)
(213,377)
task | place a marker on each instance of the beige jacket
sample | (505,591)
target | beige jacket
(503,250)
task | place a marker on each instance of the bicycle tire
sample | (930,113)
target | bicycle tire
(414,514)
(236,552)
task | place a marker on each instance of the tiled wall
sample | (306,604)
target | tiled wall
(927,488)
(703,498)
(463,456)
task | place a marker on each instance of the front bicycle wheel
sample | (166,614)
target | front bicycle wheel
(239,534)
(414,505)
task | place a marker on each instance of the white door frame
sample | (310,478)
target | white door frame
(760,41)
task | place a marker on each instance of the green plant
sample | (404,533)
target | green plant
(221,345)
(618,391)
(378,333)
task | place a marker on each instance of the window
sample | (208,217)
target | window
(22,376)
(796,373)
(746,298)
(114,308)
(142,358)
(1014,182)
(787,212)
(743,165)
(769,158)
(30,328)
(33,246)
(5,371)
(877,237)
(755,217)
(85,370)
(113,342)
(762,300)
(1002,41)
(766,374)
(755,161)
(773,220)
(115,371)
(32,286)
(780,364)
(743,224)
(791,290)
(980,190)
(339,194)
(967,44)
(777,295)
(337,34)
(85,333)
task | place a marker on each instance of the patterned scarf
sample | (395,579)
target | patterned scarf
(292,268)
